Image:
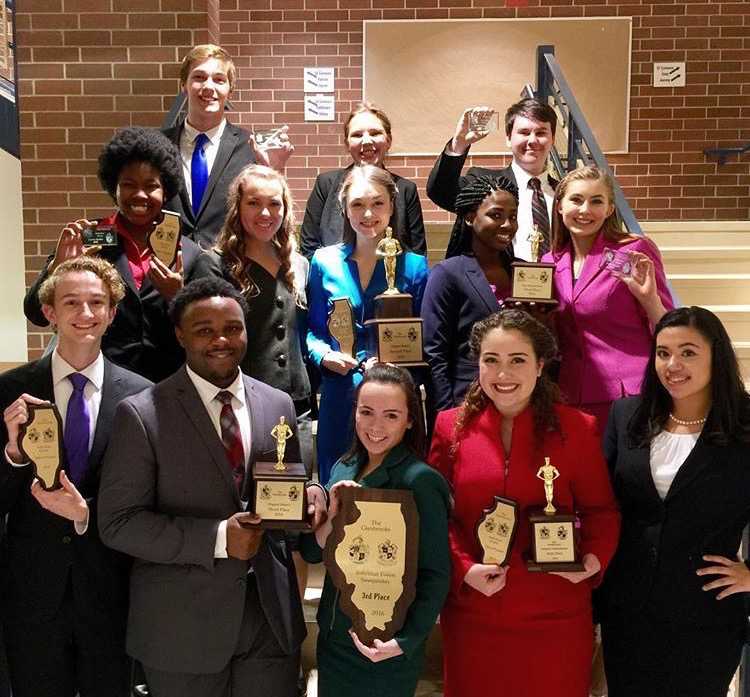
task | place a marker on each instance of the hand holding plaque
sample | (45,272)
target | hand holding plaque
(371,555)
(279,494)
(496,530)
(554,536)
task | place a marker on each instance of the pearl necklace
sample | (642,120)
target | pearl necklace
(691,422)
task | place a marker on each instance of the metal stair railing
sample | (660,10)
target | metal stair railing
(582,147)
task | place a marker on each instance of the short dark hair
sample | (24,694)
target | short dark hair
(531,109)
(201,289)
(729,418)
(389,374)
(138,144)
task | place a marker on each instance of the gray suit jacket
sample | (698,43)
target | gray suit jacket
(166,486)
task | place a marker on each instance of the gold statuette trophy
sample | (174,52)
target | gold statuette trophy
(395,336)
(532,280)
(279,494)
(40,441)
(496,530)
(164,239)
(371,555)
(554,536)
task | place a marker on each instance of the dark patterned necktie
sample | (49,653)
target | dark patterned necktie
(231,436)
(539,214)
(77,430)
(198,171)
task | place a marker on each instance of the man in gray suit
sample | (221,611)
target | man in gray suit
(214,608)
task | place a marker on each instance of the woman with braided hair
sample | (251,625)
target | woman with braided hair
(466,288)
(519,632)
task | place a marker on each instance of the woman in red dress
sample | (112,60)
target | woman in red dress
(508,631)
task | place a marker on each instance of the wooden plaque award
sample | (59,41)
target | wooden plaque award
(164,239)
(371,555)
(532,281)
(554,536)
(341,325)
(496,530)
(394,336)
(279,493)
(40,441)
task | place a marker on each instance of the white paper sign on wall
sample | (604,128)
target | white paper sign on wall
(319,79)
(669,74)
(320,107)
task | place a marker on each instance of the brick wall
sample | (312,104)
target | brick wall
(88,66)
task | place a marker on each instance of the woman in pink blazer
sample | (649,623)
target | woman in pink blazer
(612,291)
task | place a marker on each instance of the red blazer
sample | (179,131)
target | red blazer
(479,470)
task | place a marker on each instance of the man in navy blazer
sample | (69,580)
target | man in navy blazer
(530,130)
(65,593)
(208,76)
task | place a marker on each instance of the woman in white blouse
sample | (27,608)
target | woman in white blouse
(674,598)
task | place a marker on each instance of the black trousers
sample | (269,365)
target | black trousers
(76,651)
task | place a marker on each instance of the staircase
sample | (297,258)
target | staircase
(708,264)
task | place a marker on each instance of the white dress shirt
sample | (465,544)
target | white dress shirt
(187,146)
(521,243)
(207,392)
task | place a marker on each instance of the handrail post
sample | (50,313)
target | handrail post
(543,83)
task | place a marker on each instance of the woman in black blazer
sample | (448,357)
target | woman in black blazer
(469,287)
(367,134)
(674,597)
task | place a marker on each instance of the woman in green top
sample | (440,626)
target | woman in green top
(386,454)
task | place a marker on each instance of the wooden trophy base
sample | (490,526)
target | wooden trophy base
(554,542)
(279,497)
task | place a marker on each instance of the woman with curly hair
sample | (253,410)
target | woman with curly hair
(140,169)
(527,633)
(256,252)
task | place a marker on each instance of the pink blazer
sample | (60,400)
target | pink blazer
(603,332)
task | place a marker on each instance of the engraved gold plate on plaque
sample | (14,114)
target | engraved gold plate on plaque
(533,281)
(164,239)
(496,530)
(371,555)
(341,325)
(40,441)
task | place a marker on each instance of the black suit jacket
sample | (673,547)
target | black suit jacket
(233,156)
(166,487)
(444,183)
(141,337)
(663,541)
(323,224)
(42,550)
(456,296)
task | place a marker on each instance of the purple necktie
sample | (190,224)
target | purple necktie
(77,430)
(198,172)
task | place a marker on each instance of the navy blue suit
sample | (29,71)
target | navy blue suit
(457,295)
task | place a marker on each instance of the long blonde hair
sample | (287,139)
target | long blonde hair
(611,228)
(232,238)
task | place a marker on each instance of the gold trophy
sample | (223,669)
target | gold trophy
(554,536)
(532,280)
(279,494)
(395,336)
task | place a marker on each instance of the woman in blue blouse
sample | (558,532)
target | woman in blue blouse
(352,270)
